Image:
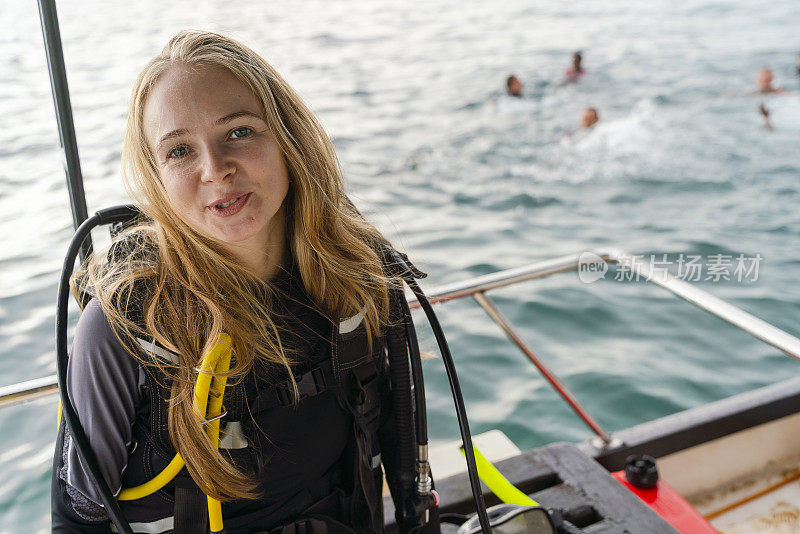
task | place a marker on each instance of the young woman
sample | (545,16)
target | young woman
(246,232)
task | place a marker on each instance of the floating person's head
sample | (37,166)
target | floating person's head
(575,72)
(765,80)
(577,58)
(514,86)
(590,117)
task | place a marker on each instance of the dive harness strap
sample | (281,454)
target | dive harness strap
(311,383)
(191,510)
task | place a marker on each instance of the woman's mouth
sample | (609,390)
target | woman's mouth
(229,207)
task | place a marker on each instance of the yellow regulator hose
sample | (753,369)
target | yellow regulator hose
(209,385)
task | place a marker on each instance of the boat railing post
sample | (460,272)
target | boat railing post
(66,126)
(29,390)
(495,314)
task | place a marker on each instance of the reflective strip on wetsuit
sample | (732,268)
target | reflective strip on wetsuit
(232,436)
(351,323)
(151,347)
(153,527)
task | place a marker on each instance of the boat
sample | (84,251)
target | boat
(728,466)
(733,460)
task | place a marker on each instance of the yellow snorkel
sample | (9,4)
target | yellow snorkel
(497,483)
(211,382)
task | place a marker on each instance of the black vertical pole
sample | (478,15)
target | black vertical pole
(66,127)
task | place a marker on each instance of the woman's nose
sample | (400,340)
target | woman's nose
(216,166)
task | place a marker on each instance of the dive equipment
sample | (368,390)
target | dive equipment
(513,519)
(498,484)
(211,382)
(420,504)
(409,274)
(85,453)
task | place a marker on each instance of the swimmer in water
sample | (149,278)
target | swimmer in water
(762,109)
(574,73)
(590,117)
(514,86)
(765,83)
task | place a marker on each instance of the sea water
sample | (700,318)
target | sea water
(468,182)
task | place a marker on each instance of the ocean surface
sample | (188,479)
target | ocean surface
(468,181)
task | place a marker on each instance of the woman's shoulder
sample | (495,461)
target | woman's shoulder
(100,367)
(95,334)
(93,322)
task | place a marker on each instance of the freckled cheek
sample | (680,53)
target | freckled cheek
(180,191)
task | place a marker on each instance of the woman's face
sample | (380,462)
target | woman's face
(222,169)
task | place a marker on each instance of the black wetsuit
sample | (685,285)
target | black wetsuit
(296,455)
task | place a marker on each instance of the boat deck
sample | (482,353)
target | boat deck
(768,503)
(559,476)
(764,501)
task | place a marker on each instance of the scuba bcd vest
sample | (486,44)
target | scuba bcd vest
(356,373)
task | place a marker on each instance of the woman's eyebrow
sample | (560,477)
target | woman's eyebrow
(223,120)
(238,114)
(172,134)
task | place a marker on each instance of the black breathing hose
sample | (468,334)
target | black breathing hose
(85,452)
(399,373)
(458,399)
(416,375)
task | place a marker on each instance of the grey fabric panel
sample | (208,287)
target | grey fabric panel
(83,506)
(105,384)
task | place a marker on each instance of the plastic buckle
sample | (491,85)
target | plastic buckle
(284,395)
(307,385)
(359,393)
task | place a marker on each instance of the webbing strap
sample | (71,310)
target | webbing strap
(314,525)
(191,506)
(312,383)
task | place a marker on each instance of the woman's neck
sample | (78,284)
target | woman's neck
(265,254)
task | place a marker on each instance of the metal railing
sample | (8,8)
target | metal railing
(477,288)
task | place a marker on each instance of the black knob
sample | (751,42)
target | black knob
(641,471)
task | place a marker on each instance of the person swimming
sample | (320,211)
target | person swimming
(574,73)
(514,86)
(765,83)
(590,117)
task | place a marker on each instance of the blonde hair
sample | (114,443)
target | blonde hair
(190,289)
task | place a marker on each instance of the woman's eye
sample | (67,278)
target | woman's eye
(178,152)
(238,133)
